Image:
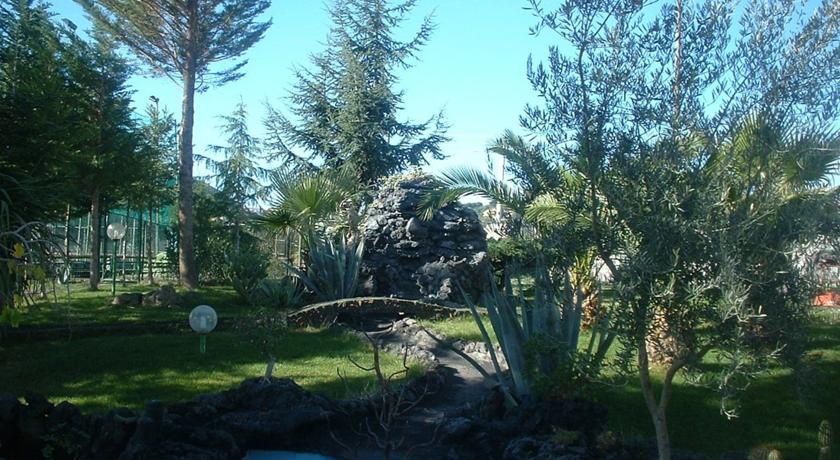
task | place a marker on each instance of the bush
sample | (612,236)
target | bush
(332,268)
(568,376)
(281,294)
(245,271)
(519,254)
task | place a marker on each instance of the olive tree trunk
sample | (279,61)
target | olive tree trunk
(658,408)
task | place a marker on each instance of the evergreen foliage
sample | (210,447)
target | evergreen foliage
(345,108)
(185,40)
(108,155)
(702,152)
(37,112)
(238,175)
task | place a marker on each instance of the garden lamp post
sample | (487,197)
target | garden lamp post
(115,231)
(203,319)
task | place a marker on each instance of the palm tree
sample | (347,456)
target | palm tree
(310,202)
(540,184)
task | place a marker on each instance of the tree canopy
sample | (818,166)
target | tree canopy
(185,40)
(345,108)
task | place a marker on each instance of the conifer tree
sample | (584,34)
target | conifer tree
(36,112)
(238,176)
(346,104)
(106,159)
(157,186)
(185,40)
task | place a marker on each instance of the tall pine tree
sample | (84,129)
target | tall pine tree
(184,40)
(157,186)
(37,113)
(346,108)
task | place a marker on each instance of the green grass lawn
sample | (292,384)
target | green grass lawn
(105,372)
(84,306)
(97,373)
(780,409)
(460,327)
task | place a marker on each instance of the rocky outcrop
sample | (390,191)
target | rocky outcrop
(163,297)
(411,258)
(217,426)
(570,429)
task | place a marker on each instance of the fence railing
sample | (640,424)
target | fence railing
(128,268)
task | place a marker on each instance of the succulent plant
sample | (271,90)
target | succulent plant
(332,267)
(555,313)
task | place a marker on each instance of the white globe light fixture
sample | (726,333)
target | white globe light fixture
(115,231)
(203,319)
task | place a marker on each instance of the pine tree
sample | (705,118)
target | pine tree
(106,161)
(184,40)
(238,176)
(346,104)
(160,151)
(37,113)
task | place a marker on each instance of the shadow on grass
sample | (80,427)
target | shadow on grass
(781,409)
(102,372)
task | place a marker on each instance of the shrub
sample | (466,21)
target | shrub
(245,271)
(332,269)
(281,294)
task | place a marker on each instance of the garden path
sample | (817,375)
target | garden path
(463,385)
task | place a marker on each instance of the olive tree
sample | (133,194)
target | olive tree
(704,144)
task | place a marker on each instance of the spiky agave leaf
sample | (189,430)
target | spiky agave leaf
(333,267)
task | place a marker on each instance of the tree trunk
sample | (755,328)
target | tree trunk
(94,240)
(657,409)
(269,368)
(186,251)
(149,250)
(237,237)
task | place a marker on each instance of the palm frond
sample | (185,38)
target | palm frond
(302,199)
(547,210)
(527,162)
(467,181)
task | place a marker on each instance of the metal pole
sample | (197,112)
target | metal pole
(114,270)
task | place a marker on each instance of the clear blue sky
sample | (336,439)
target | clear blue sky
(473,68)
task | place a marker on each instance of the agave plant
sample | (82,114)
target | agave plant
(333,266)
(554,315)
(279,294)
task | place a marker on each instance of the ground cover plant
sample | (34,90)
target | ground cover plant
(130,370)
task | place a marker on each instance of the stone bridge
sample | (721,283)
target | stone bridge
(360,308)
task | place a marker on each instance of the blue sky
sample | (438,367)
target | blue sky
(473,68)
